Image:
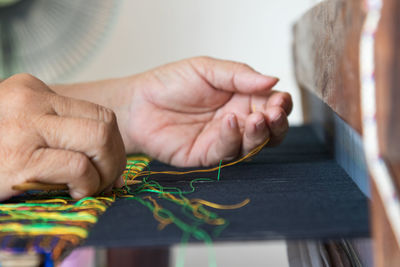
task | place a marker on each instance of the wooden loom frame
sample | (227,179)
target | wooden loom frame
(327,42)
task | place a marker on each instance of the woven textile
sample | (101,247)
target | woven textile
(51,223)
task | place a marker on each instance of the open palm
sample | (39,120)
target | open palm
(200,111)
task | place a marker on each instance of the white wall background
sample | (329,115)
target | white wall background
(148,33)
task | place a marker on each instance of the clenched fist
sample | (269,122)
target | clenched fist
(49,138)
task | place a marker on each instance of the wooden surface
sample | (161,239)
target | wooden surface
(326,55)
(326,51)
(386,252)
(387,73)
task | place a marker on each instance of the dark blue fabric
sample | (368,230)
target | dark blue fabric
(297,191)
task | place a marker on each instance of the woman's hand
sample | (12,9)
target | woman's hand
(45,137)
(202,110)
(193,112)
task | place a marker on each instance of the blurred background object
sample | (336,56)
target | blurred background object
(51,39)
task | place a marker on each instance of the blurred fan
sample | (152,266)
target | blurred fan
(49,39)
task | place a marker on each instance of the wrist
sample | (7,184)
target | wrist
(129,112)
(116,94)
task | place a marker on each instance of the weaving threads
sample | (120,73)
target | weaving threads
(84,210)
(193,209)
(52,223)
(252,153)
(43,229)
(219,170)
(219,206)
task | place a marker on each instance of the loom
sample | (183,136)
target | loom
(319,190)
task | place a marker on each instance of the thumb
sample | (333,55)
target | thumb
(232,76)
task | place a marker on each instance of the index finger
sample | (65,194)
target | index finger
(233,76)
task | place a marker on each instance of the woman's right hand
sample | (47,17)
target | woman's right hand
(48,138)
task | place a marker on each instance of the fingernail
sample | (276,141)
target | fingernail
(278,119)
(260,125)
(120,182)
(232,121)
(77,195)
(274,77)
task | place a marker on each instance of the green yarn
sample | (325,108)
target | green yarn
(189,230)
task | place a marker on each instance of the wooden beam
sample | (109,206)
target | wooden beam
(387,73)
(326,55)
(386,251)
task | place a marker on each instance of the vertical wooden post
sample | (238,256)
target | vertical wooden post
(387,74)
(326,50)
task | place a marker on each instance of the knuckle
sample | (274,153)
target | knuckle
(22,96)
(105,114)
(25,77)
(64,104)
(109,115)
(26,80)
(202,63)
(241,66)
(204,66)
(202,59)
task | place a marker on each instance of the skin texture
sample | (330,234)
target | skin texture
(48,138)
(194,112)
